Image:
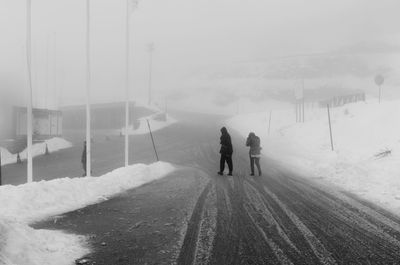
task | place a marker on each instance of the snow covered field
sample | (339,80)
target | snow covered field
(53,144)
(366,154)
(22,245)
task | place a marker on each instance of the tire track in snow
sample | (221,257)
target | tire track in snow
(189,246)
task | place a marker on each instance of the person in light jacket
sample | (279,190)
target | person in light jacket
(253,141)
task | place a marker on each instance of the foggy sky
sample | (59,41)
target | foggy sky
(186,34)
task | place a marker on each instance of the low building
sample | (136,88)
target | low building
(45,123)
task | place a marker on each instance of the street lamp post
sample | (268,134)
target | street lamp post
(150,49)
(88,84)
(29,103)
(131,5)
(127,83)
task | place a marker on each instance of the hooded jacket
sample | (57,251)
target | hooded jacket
(254,142)
(226,143)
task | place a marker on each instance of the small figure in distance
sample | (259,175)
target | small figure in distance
(253,141)
(83,159)
(226,152)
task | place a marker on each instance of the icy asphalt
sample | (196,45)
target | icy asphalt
(194,216)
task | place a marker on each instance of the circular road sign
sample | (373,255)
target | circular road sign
(379,80)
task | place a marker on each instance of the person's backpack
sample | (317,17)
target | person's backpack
(256,145)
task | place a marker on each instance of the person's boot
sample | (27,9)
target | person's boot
(230,173)
(220,173)
(252,174)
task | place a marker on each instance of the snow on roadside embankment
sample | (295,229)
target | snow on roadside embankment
(23,245)
(157,122)
(366,140)
(53,144)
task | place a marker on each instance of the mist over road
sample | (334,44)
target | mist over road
(194,216)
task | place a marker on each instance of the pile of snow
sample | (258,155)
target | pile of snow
(20,244)
(23,245)
(155,125)
(366,138)
(53,144)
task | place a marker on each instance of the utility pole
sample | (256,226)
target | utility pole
(29,103)
(127,71)
(303,100)
(88,86)
(130,6)
(55,87)
(46,94)
(150,49)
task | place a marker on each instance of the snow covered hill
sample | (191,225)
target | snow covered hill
(366,138)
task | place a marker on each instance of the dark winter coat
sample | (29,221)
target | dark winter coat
(254,142)
(226,143)
(83,159)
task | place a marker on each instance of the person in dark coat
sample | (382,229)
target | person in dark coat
(83,159)
(253,141)
(226,152)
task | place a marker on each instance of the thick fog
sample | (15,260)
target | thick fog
(228,48)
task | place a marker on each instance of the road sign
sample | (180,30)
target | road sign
(379,80)
(298,93)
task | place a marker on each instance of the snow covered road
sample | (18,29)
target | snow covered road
(193,216)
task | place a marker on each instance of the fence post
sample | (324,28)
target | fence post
(0,169)
(380,92)
(330,126)
(152,140)
(269,122)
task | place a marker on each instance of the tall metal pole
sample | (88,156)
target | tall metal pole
(55,87)
(46,94)
(29,103)
(127,68)
(88,84)
(302,102)
(150,49)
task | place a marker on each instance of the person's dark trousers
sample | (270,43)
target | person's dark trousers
(84,169)
(255,160)
(228,160)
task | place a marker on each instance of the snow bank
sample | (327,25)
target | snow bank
(38,200)
(143,128)
(53,144)
(20,244)
(366,141)
(23,245)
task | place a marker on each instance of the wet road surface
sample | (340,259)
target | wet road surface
(194,216)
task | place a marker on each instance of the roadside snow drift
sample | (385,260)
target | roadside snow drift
(24,204)
(366,138)
(155,125)
(53,144)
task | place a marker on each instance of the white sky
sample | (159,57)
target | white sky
(186,33)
